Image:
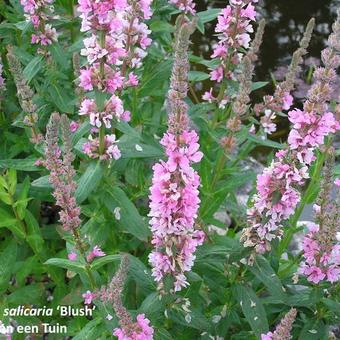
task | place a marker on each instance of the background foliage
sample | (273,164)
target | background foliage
(228,299)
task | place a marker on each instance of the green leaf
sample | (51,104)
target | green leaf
(61,99)
(206,16)
(252,308)
(161,26)
(42,182)
(87,332)
(34,236)
(265,142)
(155,78)
(5,197)
(89,181)
(11,180)
(137,270)
(198,76)
(102,261)
(27,164)
(58,54)
(209,15)
(9,221)
(332,305)
(258,85)
(32,293)
(130,219)
(314,330)
(7,262)
(152,304)
(22,200)
(66,264)
(132,149)
(33,67)
(265,273)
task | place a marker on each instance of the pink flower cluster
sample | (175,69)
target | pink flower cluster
(319,263)
(187,6)
(277,187)
(111,150)
(39,12)
(174,205)
(309,129)
(117,45)
(113,108)
(233,29)
(141,331)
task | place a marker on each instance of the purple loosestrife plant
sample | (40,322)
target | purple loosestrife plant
(321,250)
(240,106)
(39,13)
(174,198)
(278,186)
(25,95)
(116,47)
(62,175)
(129,330)
(282,100)
(233,29)
(283,329)
(59,163)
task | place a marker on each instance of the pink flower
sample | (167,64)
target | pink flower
(267,336)
(187,6)
(208,96)
(220,51)
(74,126)
(96,252)
(88,297)
(337,182)
(217,74)
(142,330)
(85,79)
(72,256)
(249,12)
(333,274)
(314,274)
(287,101)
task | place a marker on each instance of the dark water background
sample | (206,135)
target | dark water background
(286,21)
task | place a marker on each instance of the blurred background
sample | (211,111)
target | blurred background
(286,21)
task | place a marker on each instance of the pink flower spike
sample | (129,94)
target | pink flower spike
(72,256)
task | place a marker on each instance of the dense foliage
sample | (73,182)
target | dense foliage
(123,190)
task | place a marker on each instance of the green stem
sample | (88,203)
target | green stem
(102,139)
(81,249)
(90,276)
